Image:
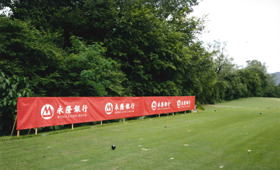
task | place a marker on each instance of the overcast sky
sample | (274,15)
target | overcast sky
(251,29)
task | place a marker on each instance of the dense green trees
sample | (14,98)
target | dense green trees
(115,48)
(33,63)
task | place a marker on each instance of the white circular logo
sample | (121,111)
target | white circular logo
(109,108)
(154,105)
(47,111)
(179,103)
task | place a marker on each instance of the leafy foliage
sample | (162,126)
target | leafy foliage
(10,89)
(86,72)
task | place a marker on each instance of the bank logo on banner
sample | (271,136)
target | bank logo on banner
(183,104)
(179,103)
(160,105)
(47,111)
(109,108)
(154,105)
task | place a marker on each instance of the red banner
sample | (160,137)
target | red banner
(34,112)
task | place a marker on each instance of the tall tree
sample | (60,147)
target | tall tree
(27,52)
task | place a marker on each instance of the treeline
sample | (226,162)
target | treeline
(115,48)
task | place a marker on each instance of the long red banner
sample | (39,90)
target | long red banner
(34,112)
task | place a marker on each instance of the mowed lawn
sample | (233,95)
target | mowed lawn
(235,136)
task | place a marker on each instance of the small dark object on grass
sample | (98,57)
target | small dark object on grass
(214,110)
(113,147)
(260,113)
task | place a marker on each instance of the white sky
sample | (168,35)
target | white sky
(251,29)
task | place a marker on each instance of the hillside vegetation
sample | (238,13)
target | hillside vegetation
(277,77)
(230,135)
(116,48)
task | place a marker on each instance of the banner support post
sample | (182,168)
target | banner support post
(158,115)
(72,126)
(14,126)
(36,131)
(101,122)
(18,133)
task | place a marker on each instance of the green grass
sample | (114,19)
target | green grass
(202,140)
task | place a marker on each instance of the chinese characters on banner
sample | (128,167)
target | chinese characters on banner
(34,112)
